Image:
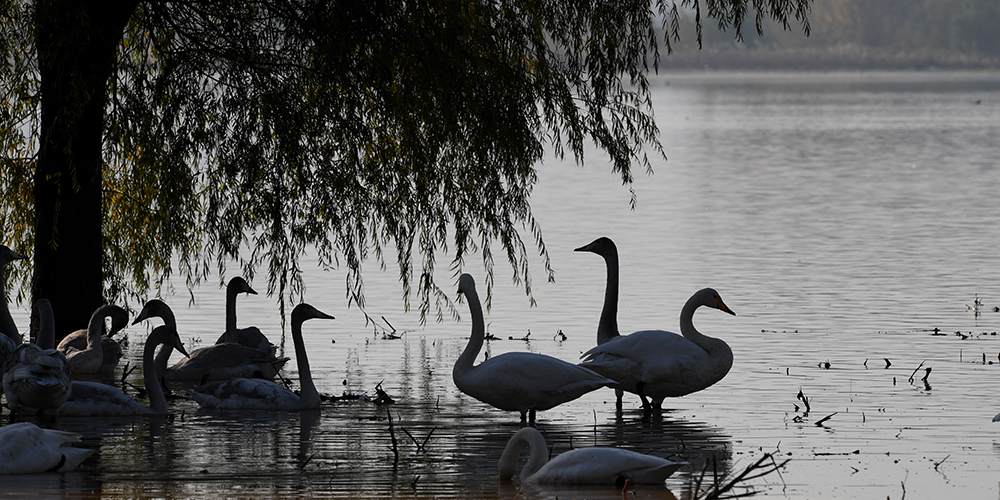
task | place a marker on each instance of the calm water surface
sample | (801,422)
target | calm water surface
(844,217)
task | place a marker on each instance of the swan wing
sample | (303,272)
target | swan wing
(36,378)
(76,340)
(225,362)
(604,466)
(518,381)
(243,393)
(26,448)
(88,399)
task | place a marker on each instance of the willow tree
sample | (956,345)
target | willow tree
(147,138)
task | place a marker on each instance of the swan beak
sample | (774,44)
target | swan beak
(251,291)
(180,345)
(586,248)
(722,305)
(16,256)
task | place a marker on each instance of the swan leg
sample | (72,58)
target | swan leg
(524,418)
(642,395)
(618,394)
(531,417)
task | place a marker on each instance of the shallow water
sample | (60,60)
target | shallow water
(843,217)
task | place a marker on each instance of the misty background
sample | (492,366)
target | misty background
(855,34)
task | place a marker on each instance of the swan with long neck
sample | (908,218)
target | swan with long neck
(658,364)
(244,393)
(595,465)
(607,326)
(36,376)
(8,330)
(215,362)
(90,360)
(111,350)
(250,336)
(89,399)
(26,448)
(517,381)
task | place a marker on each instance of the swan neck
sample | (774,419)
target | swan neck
(46,328)
(163,357)
(537,454)
(230,315)
(7,326)
(95,330)
(307,391)
(471,351)
(687,326)
(150,374)
(607,328)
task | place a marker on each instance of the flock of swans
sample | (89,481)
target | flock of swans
(237,372)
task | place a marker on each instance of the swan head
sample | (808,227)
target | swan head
(167,335)
(239,285)
(710,298)
(466,283)
(119,319)
(305,311)
(602,246)
(154,308)
(7,256)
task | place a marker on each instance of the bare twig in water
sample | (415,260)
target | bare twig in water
(819,423)
(887,363)
(938,464)
(382,397)
(804,400)
(395,444)
(915,370)
(721,488)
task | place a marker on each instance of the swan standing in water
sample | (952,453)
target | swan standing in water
(26,448)
(595,465)
(111,350)
(248,337)
(10,338)
(243,393)
(91,359)
(36,376)
(517,381)
(215,362)
(89,399)
(607,326)
(660,364)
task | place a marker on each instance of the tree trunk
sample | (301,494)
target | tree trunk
(76,43)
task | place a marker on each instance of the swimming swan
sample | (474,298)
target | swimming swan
(36,376)
(215,362)
(26,448)
(607,326)
(89,399)
(90,360)
(517,381)
(250,336)
(244,393)
(111,350)
(661,364)
(595,465)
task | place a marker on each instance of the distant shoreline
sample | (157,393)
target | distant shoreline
(842,58)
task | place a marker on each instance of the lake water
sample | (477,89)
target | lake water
(848,219)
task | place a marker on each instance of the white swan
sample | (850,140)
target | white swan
(244,393)
(517,381)
(26,448)
(607,326)
(90,360)
(111,350)
(215,362)
(250,336)
(595,465)
(36,377)
(10,338)
(660,364)
(89,399)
